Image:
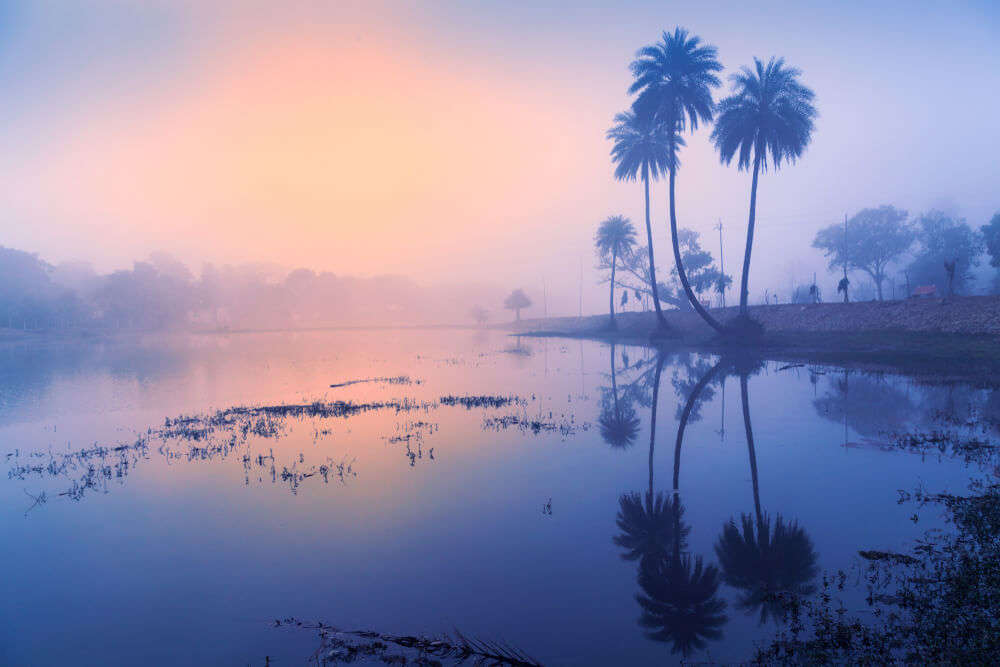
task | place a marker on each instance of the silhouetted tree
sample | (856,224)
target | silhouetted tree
(615,238)
(769,117)
(703,275)
(944,239)
(641,148)
(673,79)
(480,315)
(991,237)
(515,301)
(873,239)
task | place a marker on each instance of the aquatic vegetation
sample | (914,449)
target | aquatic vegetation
(219,435)
(565,426)
(339,645)
(935,605)
(469,402)
(399,379)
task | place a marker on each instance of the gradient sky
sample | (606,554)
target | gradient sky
(460,140)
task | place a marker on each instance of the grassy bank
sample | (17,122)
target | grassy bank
(954,339)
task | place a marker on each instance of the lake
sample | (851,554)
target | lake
(168,498)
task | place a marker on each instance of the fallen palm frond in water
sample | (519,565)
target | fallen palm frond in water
(399,379)
(338,645)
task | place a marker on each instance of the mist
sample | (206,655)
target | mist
(418,143)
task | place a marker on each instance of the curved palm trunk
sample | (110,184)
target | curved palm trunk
(753,453)
(680,264)
(611,300)
(661,322)
(685,415)
(744,283)
(652,417)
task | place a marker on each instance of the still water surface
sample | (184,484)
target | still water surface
(479,482)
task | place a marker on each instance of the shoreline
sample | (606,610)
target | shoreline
(953,340)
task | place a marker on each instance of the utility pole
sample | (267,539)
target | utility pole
(722,265)
(545,300)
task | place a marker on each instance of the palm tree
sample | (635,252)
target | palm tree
(640,149)
(766,563)
(673,79)
(619,423)
(615,238)
(768,118)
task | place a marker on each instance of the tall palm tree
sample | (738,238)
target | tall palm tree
(674,80)
(615,238)
(619,423)
(640,150)
(768,118)
(765,562)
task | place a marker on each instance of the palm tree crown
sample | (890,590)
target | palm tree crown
(674,80)
(769,116)
(615,237)
(641,146)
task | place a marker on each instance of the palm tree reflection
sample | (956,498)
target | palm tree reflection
(645,520)
(678,592)
(766,562)
(618,421)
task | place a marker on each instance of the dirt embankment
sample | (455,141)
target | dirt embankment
(971,315)
(957,338)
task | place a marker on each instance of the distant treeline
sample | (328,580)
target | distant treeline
(163,293)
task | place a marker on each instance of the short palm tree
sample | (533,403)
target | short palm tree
(674,80)
(640,150)
(615,238)
(768,118)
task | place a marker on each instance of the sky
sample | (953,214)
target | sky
(462,141)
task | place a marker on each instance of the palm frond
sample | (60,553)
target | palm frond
(768,118)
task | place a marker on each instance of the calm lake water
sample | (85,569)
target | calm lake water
(477,482)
